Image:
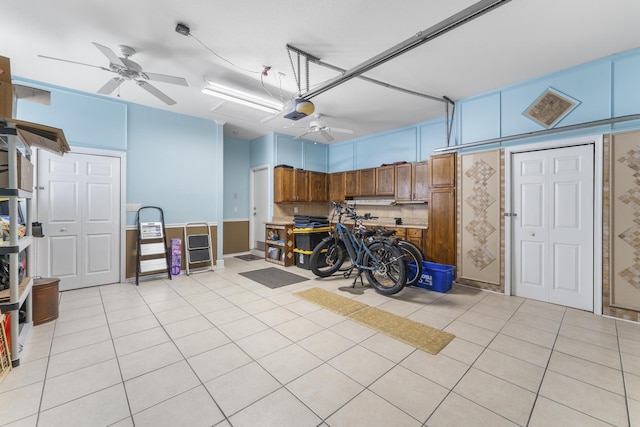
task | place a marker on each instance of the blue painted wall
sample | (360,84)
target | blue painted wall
(237,156)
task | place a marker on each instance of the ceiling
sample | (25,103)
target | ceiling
(520,40)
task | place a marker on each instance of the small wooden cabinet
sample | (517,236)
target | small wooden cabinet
(279,243)
(337,186)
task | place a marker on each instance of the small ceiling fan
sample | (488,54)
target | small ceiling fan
(126,69)
(318,126)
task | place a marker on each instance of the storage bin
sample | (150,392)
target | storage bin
(308,238)
(435,277)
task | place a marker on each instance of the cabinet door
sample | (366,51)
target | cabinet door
(317,187)
(337,186)
(442,170)
(301,182)
(420,181)
(283,187)
(403,182)
(367,182)
(442,226)
(352,183)
(385,181)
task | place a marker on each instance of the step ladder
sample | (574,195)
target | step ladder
(152,254)
(198,247)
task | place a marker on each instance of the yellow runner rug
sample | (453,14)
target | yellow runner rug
(419,335)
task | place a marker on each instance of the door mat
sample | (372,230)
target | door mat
(273,277)
(249,257)
(416,334)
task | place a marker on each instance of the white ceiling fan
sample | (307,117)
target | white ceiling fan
(126,69)
(318,126)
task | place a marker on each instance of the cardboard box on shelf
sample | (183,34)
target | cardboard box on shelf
(25,172)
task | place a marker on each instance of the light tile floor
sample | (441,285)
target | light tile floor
(217,349)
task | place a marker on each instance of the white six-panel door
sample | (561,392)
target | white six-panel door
(79,207)
(553,225)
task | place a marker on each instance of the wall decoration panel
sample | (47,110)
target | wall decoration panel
(625,218)
(480,226)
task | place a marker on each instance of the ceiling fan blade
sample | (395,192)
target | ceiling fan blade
(74,62)
(111,56)
(302,134)
(155,92)
(110,86)
(166,79)
(327,137)
(340,130)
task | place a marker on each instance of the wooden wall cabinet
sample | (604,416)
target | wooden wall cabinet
(337,186)
(367,182)
(385,181)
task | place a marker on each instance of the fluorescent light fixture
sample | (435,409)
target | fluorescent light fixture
(241,97)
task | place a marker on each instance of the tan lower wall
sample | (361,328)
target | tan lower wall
(235,237)
(172,233)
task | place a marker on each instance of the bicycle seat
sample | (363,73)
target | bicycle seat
(386,233)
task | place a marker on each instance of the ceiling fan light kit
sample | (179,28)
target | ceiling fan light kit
(241,97)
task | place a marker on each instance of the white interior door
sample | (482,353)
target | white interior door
(553,225)
(259,206)
(79,208)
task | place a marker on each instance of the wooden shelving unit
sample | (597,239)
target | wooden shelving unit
(279,240)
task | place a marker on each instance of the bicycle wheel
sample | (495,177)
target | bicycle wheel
(327,257)
(388,273)
(412,254)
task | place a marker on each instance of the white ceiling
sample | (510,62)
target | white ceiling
(521,40)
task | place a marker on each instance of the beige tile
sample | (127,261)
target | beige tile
(297,329)
(588,372)
(362,365)
(326,344)
(289,363)
(25,401)
(280,408)
(80,358)
(462,350)
(511,369)
(414,394)
(104,407)
(187,327)
(200,342)
(368,409)
(219,361)
(78,383)
(241,387)
(458,411)
(591,400)
(242,328)
(324,389)
(141,340)
(157,386)
(440,369)
(469,332)
(547,413)
(529,334)
(587,335)
(262,343)
(388,347)
(506,399)
(593,353)
(148,359)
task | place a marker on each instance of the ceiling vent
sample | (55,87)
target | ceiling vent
(550,108)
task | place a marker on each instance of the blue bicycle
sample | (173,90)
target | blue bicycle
(381,261)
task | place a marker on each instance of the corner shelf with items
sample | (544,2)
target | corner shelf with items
(19,295)
(279,243)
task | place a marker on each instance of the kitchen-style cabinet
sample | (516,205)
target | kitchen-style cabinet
(337,186)
(385,181)
(411,182)
(367,182)
(317,186)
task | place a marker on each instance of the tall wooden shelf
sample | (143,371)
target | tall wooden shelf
(279,238)
(19,292)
